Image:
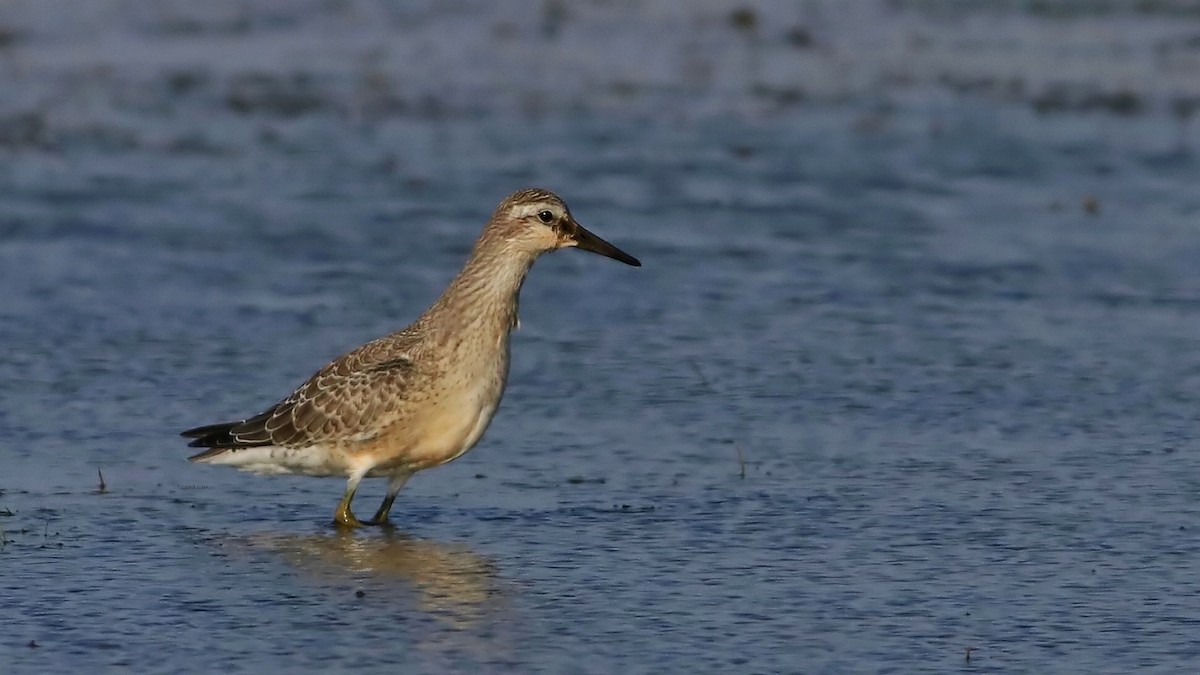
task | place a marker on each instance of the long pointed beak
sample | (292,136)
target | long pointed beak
(590,242)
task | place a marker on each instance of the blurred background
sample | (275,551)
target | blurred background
(907,382)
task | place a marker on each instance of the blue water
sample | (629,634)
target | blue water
(907,382)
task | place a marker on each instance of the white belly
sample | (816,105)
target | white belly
(317,460)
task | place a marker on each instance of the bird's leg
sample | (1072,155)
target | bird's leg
(396,482)
(343,516)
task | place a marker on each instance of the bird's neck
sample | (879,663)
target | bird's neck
(482,300)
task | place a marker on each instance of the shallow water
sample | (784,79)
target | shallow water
(909,372)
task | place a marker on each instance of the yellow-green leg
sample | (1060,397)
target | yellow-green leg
(396,482)
(343,516)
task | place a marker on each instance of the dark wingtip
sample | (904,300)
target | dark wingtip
(197,432)
(216,436)
(211,452)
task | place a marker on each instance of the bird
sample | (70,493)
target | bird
(419,397)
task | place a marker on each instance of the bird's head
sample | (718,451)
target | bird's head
(537,221)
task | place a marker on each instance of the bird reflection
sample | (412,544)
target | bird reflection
(454,583)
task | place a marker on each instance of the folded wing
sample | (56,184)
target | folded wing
(343,402)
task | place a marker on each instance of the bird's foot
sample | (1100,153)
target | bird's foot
(380,520)
(385,524)
(344,518)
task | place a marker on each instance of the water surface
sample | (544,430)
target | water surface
(910,369)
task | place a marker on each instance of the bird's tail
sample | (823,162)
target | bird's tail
(218,438)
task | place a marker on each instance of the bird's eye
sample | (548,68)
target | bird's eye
(545,216)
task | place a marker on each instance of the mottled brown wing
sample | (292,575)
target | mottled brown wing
(347,400)
(336,404)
